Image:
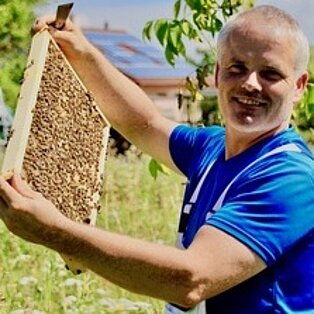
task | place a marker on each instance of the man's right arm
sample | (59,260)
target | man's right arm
(125,105)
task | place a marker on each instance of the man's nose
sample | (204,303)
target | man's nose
(251,83)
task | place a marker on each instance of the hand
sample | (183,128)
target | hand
(27,213)
(70,39)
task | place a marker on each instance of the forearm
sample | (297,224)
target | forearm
(139,266)
(126,106)
(184,277)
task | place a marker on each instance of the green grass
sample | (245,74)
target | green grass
(33,279)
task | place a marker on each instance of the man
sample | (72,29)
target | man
(247,218)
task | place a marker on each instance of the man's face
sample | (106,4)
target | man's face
(256,79)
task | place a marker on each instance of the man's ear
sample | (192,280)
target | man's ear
(300,86)
(217,69)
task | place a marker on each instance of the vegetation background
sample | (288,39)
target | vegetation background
(33,279)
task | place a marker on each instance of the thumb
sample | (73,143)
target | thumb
(42,22)
(22,187)
(7,192)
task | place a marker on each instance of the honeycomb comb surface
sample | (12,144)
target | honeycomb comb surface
(65,142)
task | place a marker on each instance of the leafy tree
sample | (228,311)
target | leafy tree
(193,20)
(303,115)
(198,21)
(16,18)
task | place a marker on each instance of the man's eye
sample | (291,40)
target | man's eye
(237,69)
(271,75)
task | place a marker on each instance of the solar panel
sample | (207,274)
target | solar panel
(157,73)
(136,58)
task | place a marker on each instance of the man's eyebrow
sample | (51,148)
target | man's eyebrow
(273,68)
(236,60)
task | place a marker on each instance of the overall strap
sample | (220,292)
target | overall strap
(201,308)
(188,207)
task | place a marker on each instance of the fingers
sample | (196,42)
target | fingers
(7,192)
(42,22)
(48,21)
(3,208)
(22,187)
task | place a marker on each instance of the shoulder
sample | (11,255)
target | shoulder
(283,155)
(196,140)
(284,164)
(270,206)
(190,146)
(285,179)
(193,133)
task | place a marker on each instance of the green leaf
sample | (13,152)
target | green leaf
(218,25)
(248,4)
(214,25)
(161,30)
(180,99)
(147,30)
(310,93)
(175,35)
(152,167)
(16,18)
(200,20)
(181,49)
(155,167)
(170,54)
(309,110)
(176,8)
(190,86)
(186,27)
(201,75)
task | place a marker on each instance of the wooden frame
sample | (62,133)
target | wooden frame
(59,136)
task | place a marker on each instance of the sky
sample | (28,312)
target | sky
(131,15)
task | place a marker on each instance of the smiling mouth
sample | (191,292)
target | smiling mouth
(248,101)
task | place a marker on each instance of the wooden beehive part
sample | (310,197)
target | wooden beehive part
(59,137)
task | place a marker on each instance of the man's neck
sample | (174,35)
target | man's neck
(238,142)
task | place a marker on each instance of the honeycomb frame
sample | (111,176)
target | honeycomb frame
(59,137)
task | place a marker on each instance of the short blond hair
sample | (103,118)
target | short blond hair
(277,18)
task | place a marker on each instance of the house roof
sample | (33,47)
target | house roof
(137,59)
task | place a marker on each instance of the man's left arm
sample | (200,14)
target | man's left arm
(213,263)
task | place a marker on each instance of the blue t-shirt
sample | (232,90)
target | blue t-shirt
(269,208)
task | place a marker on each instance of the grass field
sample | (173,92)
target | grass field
(34,279)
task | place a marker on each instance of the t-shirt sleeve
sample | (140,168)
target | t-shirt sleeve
(270,208)
(187,144)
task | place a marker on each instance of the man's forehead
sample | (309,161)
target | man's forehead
(271,31)
(260,31)
(265,51)
(258,39)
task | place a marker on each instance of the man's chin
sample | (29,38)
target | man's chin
(256,128)
(249,126)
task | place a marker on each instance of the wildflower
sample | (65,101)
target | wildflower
(23,257)
(126,304)
(72,282)
(143,305)
(69,300)
(20,311)
(108,302)
(101,292)
(26,281)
